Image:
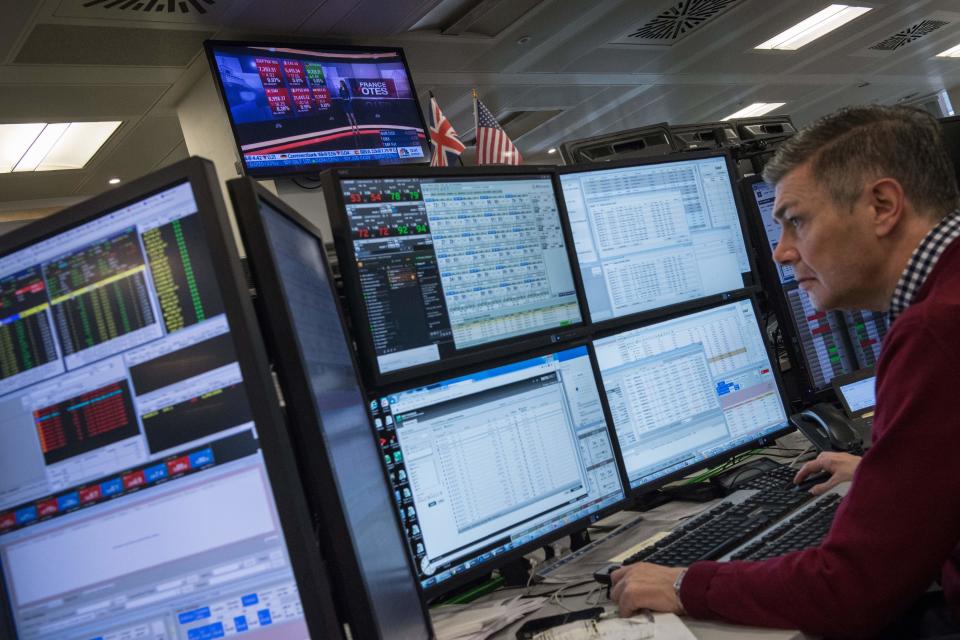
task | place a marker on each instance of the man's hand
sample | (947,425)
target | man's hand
(840,466)
(645,586)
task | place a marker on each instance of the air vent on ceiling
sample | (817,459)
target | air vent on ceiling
(677,22)
(908,35)
(152,6)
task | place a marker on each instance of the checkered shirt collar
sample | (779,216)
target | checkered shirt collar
(922,261)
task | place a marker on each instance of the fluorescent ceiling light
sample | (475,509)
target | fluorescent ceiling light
(39,146)
(952,52)
(817,25)
(77,145)
(15,139)
(754,110)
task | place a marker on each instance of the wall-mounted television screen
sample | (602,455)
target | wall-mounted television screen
(299,109)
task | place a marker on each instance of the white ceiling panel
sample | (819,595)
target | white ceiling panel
(551,59)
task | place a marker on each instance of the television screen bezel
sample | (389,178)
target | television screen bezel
(680,156)
(754,443)
(478,570)
(210,47)
(336,209)
(306,424)
(309,568)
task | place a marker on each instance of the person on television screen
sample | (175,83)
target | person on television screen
(867,202)
(346,105)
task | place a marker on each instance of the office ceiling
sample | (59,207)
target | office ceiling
(553,70)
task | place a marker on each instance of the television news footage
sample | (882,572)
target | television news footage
(435,266)
(487,464)
(330,421)
(300,109)
(689,390)
(655,234)
(134,495)
(832,343)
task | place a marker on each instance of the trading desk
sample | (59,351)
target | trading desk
(633,530)
(650,523)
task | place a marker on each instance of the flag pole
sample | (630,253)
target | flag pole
(476,124)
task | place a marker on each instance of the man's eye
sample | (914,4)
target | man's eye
(793,221)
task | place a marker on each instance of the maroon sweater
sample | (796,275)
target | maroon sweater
(898,529)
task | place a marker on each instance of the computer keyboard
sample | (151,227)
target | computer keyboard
(776,478)
(724,527)
(805,529)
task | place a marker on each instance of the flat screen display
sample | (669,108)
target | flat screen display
(445,264)
(301,109)
(860,396)
(486,463)
(134,496)
(689,390)
(655,234)
(351,449)
(819,334)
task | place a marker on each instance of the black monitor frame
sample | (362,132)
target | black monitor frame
(470,575)
(279,172)
(309,569)
(323,489)
(767,440)
(336,209)
(777,298)
(659,312)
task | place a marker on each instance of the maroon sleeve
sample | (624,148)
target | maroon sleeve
(898,523)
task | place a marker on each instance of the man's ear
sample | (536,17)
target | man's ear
(888,205)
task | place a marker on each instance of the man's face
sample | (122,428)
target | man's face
(830,248)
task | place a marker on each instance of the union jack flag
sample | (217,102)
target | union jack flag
(493,144)
(446,145)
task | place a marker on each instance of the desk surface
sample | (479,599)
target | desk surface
(643,526)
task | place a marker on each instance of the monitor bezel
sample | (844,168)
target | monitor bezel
(307,565)
(679,156)
(471,574)
(780,303)
(210,47)
(757,442)
(305,423)
(336,209)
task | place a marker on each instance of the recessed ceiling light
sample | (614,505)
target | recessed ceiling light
(39,146)
(552,150)
(952,52)
(113,181)
(754,110)
(819,24)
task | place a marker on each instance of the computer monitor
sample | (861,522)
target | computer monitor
(690,391)
(488,465)
(656,234)
(866,330)
(340,461)
(299,108)
(817,341)
(447,267)
(857,393)
(146,483)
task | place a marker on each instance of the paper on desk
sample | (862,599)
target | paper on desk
(475,622)
(659,626)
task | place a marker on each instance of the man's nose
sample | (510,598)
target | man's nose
(784,252)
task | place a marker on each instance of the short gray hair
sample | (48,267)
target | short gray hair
(858,143)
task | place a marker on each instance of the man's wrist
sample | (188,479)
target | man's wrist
(677,583)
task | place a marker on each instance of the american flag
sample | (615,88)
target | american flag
(493,144)
(446,145)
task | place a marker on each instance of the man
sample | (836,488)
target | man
(867,202)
